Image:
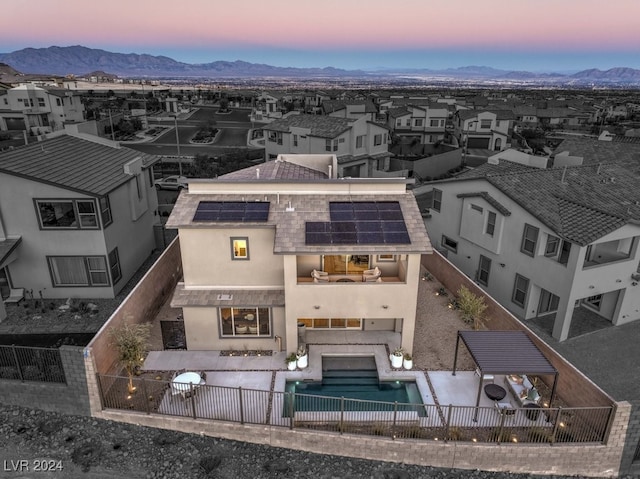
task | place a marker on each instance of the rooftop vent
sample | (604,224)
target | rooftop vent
(225,297)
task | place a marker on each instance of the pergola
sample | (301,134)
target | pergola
(504,352)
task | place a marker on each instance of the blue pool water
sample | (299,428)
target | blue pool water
(363,385)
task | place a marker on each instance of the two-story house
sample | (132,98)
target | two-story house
(77,216)
(288,243)
(427,123)
(350,109)
(39,110)
(360,145)
(484,129)
(560,244)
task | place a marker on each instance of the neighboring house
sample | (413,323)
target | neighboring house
(251,240)
(427,123)
(546,242)
(39,110)
(350,109)
(361,146)
(77,216)
(483,129)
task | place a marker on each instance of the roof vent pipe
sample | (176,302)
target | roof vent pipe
(330,171)
(598,170)
(257,173)
(564,172)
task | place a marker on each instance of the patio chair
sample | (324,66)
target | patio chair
(320,276)
(241,329)
(371,275)
(15,295)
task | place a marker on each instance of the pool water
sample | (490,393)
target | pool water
(360,384)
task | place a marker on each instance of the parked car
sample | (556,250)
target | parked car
(171,183)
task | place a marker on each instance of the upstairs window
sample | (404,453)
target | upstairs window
(67,214)
(491,223)
(436,200)
(485,124)
(529,240)
(377,140)
(359,141)
(434,123)
(240,248)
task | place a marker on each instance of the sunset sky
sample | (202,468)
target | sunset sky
(534,35)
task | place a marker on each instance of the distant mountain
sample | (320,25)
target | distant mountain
(79,60)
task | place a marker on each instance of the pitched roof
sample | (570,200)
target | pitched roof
(73,162)
(275,170)
(319,125)
(581,204)
(597,151)
(489,199)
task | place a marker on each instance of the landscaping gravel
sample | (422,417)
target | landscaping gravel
(83,447)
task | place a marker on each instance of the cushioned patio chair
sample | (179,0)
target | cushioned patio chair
(371,275)
(320,276)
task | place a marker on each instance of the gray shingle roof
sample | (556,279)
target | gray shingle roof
(581,204)
(73,163)
(274,170)
(319,125)
(597,151)
(210,297)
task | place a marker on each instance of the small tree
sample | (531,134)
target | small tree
(471,306)
(131,343)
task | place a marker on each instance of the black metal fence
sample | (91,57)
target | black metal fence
(373,418)
(31,364)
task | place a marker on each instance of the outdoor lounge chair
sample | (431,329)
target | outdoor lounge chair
(371,275)
(320,276)
(15,295)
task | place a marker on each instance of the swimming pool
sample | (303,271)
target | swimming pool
(361,385)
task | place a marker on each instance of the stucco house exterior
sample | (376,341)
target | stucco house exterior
(77,216)
(288,243)
(426,122)
(360,145)
(39,110)
(545,242)
(484,129)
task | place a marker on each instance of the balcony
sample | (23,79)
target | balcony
(609,252)
(349,269)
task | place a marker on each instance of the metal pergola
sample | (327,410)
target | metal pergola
(504,352)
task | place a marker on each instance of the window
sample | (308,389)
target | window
(529,240)
(449,244)
(58,102)
(275,137)
(67,214)
(399,122)
(386,258)
(434,123)
(418,121)
(359,141)
(240,248)
(483,270)
(497,123)
(485,124)
(78,271)
(520,288)
(491,223)
(244,322)
(551,249)
(41,101)
(408,122)
(114,266)
(565,250)
(476,208)
(295,140)
(377,140)
(331,145)
(87,214)
(436,200)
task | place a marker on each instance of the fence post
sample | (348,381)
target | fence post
(448,423)
(341,426)
(556,425)
(146,396)
(15,358)
(395,417)
(241,404)
(503,416)
(292,398)
(193,400)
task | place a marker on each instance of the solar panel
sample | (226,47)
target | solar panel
(367,215)
(393,226)
(343,227)
(368,226)
(396,237)
(342,216)
(370,237)
(317,227)
(240,211)
(344,238)
(318,238)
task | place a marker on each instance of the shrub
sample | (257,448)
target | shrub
(471,306)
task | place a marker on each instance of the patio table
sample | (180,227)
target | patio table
(184,381)
(495,392)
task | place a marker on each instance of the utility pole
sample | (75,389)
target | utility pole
(175,119)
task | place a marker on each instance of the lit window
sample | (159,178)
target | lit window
(239,248)
(245,322)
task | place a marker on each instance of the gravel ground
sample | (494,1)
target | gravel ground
(81,447)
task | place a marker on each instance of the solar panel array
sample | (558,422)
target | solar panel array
(363,222)
(241,211)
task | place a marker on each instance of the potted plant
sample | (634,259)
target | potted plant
(302,357)
(291,361)
(407,362)
(396,358)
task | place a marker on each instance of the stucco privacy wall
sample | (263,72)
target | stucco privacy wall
(140,306)
(579,460)
(574,387)
(69,398)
